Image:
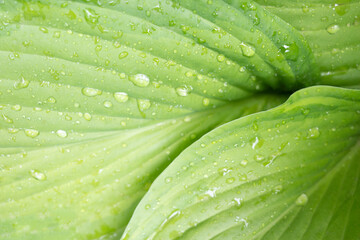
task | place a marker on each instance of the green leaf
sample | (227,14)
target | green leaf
(90,115)
(287,173)
(332,29)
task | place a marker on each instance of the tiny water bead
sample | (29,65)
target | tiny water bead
(108,104)
(313,133)
(220,58)
(123,55)
(121,97)
(140,80)
(143,104)
(91,92)
(247,50)
(22,83)
(87,116)
(333,28)
(302,200)
(183,91)
(61,133)
(168,180)
(36,174)
(91,17)
(6,118)
(16,107)
(31,133)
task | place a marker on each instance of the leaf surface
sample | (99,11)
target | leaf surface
(287,173)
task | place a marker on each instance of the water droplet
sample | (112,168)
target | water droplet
(278,189)
(121,97)
(244,162)
(43,29)
(123,55)
(108,104)
(305,111)
(206,102)
(91,17)
(32,133)
(168,180)
(22,83)
(247,50)
(183,91)
(38,175)
(61,133)
(257,143)
(302,200)
(87,116)
(143,104)
(313,133)
(140,80)
(6,118)
(51,100)
(220,58)
(333,28)
(16,107)
(230,180)
(259,157)
(13,130)
(290,51)
(91,92)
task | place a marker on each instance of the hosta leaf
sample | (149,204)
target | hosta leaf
(332,29)
(287,173)
(92,111)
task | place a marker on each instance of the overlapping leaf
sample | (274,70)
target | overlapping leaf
(287,173)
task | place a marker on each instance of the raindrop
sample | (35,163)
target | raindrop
(108,104)
(247,50)
(91,92)
(168,180)
(22,83)
(38,175)
(123,55)
(206,102)
(302,200)
(61,133)
(140,80)
(333,28)
(220,58)
(183,91)
(91,17)
(6,118)
(121,97)
(31,133)
(143,104)
(16,107)
(313,133)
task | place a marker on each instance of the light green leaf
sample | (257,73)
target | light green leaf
(287,173)
(88,121)
(332,29)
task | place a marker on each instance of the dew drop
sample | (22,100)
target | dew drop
(123,55)
(302,200)
(51,100)
(6,118)
(244,162)
(168,180)
(230,180)
(22,83)
(259,157)
(313,133)
(140,80)
(108,104)
(220,57)
(143,104)
(121,97)
(61,133)
(257,143)
(16,107)
(247,50)
(91,17)
(87,116)
(183,91)
(206,102)
(290,51)
(333,28)
(32,133)
(40,176)
(91,92)
(13,130)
